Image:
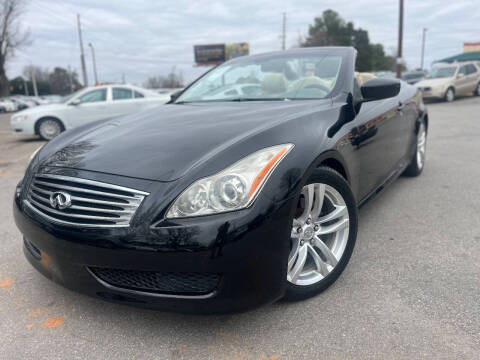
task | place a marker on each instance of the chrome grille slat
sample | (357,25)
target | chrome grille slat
(76,207)
(75,216)
(87,191)
(105,205)
(133,203)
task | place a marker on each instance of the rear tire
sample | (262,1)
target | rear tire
(417,163)
(449,95)
(332,223)
(477,90)
(48,128)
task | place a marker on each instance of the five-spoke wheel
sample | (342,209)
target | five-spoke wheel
(323,233)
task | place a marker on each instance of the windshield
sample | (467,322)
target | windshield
(411,76)
(66,98)
(267,78)
(442,72)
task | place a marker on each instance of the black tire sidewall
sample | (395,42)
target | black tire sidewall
(330,177)
(413,169)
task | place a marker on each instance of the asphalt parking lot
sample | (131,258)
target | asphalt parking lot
(411,290)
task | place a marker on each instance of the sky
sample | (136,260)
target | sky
(141,38)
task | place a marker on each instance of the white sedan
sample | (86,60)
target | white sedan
(87,105)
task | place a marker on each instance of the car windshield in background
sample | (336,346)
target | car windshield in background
(412,76)
(256,79)
(66,98)
(443,72)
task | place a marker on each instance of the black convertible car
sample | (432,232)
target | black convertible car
(242,190)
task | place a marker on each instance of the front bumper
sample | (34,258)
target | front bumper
(434,93)
(22,126)
(248,249)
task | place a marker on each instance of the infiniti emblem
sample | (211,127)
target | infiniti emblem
(60,200)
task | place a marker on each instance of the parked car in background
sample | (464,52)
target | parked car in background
(7,105)
(446,81)
(385,74)
(412,77)
(82,107)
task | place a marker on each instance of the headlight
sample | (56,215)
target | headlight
(18,118)
(231,189)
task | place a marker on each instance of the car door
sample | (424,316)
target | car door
(379,142)
(472,76)
(461,81)
(123,102)
(89,106)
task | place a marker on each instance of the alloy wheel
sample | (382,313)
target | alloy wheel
(319,234)
(49,129)
(421,146)
(450,95)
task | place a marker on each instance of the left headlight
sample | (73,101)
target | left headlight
(231,189)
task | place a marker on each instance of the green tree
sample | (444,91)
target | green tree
(330,29)
(12,37)
(60,83)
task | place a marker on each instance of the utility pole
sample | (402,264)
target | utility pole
(94,63)
(400,40)
(423,46)
(25,85)
(284,30)
(70,80)
(123,78)
(34,81)
(82,55)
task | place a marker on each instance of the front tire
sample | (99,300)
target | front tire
(323,234)
(48,128)
(477,90)
(450,95)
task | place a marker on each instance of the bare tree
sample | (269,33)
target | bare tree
(11,36)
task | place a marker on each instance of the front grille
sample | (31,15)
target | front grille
(159,282)
(91,203)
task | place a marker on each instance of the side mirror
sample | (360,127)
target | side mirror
(74,102)
(460,75)
(175,95)
(378,89)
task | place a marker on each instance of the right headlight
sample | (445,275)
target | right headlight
(231,189)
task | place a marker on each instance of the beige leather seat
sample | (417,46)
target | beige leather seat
(362,78)
(274,84)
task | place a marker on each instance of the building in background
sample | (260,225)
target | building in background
(471,47)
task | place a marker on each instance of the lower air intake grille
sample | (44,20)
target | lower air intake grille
(159,282)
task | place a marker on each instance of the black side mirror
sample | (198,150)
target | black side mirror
(175,96)
(378,89)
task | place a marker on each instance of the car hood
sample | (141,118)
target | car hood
(433,82)
(164,143)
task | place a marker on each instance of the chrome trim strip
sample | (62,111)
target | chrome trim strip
(82,190)
(91,182)
(151,294)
